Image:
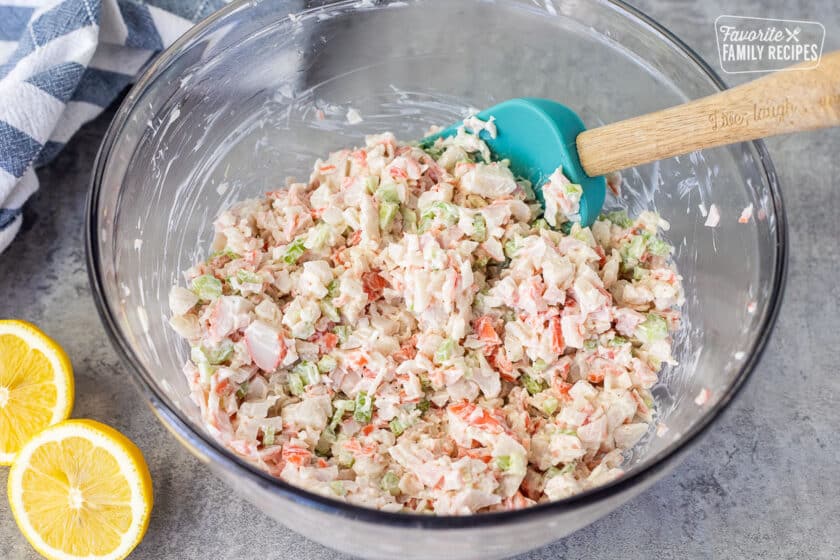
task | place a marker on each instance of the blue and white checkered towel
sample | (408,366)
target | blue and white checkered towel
(61,63)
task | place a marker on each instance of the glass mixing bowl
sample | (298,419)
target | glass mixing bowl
(257,91)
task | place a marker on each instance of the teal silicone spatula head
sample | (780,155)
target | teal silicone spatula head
(538,136)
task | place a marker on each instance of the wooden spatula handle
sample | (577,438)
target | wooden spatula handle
(786,101)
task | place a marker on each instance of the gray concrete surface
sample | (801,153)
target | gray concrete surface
(763,484)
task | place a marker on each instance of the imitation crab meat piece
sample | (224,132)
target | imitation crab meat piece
(265,345)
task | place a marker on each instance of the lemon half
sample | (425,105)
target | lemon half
(36,385)
(80,489)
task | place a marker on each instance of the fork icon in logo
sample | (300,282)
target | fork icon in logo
(792,34)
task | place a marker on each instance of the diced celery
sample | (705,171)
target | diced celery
(295,384)
(653,328)
(620,218)
(390,483)
(541,224)
(510,248)
(549,405)
(337,486)
(225,253)
(503,462)
(658,247)
(247,277)
(480,229)
(590,344)
(569,468)
(325,442)
(424,405)
(327,363)
(572,189)
(387,213)
(445,350)
(333,288)
(364,408)
(345,460)
(294,251)
(447,213)
(512,464)
(207,287)
(216,356)
(343,333)
(340,407)
(443,211)
(640,273)
(539,365)
(329,311)
(242,391)
(397,427)
(318,237)
(308,372)
(345,404)
(481,261)
(636,248)
(387,192)
(435,150)
(371,183)
(618,341)
(518,464)
(532,384)
(268,435)
(551,473)
(580,235)
(569,432)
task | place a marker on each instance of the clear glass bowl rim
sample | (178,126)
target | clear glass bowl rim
(205,445)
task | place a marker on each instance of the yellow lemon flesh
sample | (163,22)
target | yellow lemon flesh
(36,385)
(80,489)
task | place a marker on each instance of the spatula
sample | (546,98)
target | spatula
(540,135)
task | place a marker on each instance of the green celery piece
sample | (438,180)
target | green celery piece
(397,427)
(532,384)
(294,251)
(268,435)
(445,350)
(247,277)
(343,333)
(480,227)
(295,384)
(550,405)
(387,213)
(308,372)
(652,329)
(364,408)
(207,287)
(391,483)
(387,192)
(327,363)
(620,218)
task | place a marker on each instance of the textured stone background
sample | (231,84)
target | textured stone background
(763,484)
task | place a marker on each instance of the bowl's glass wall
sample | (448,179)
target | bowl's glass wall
(258,95)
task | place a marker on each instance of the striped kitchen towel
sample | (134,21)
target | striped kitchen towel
(61,63)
